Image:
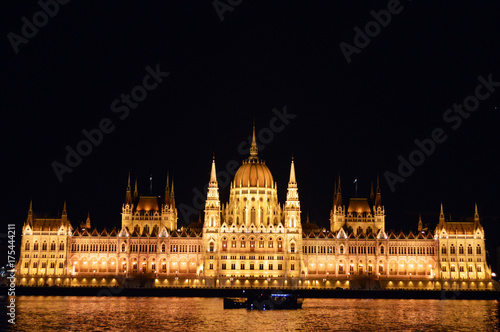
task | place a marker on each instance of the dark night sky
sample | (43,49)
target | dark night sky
(354,119)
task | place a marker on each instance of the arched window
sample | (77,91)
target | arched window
(469,250)
(211,247)
(27,245)
(44,246)
(443,249)
(252,216)
(163,247)
(53,246)
(243,242)
(381,250)
(123,247)
(452,249)
(478,250)
(461,250)
(292,247)
(61,246)
(341,249)
(146,229)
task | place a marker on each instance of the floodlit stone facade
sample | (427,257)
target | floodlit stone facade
(253,241)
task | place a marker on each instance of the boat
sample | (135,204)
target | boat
(264,300)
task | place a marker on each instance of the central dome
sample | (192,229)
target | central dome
(253,171)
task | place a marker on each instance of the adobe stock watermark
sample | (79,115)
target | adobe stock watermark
(362,39)
(121,106)
(264,137)
(454,117)
(221,7)
(30,28)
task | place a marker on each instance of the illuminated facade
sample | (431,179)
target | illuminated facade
(253,241)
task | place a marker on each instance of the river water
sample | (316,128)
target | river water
(71,313)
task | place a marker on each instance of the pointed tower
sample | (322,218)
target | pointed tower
(378,197)
(64,215)
(166,199)
(212,204)
(254,150)
(128,205)
(420,226)
(477,222)
(169,211)
(29,220)
(292,205)
(128,195)
(136,192)
(337,215)
(441,216)
(87,222)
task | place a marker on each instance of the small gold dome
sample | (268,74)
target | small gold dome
(251,171)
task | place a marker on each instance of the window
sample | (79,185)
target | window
(233,266)
(26,265)
(35,246)
(351,268)
(461,268)
(292,247)
(53,246)
(123,247)
(27,246)
(211,266)
(153,266)
(44,246)
(452,268)
(444,268)
(243,243)
(211,247)
(341,249)
(61,265)
(223,266)
(452,249)
(443,250)
(261,243)
(233,243)
(292,267)
(251,266)
(470,268)
(261,266)
(478,250)
(52,265)
(35,265)
(44,265)
(469,250)
(461,250)
(280,267)
(270,266)
(242,266)
(479,268)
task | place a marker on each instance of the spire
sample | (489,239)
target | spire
(64,213)
(29,220)
(128,196)
(420,223)
(254,150)
(87,222)
(172,196)
(166,199)
(441,214)
(378,198)
(136,192)
(338,199)
(372,195)
(292,180)
(476,217)
(213,175)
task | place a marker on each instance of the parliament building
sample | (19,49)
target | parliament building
(253,241)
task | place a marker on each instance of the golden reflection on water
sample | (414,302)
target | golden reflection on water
(71,313)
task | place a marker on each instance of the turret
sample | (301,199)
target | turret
(292,204)
(128,195)
(212,204)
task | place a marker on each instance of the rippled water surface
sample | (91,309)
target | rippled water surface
(71,313)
